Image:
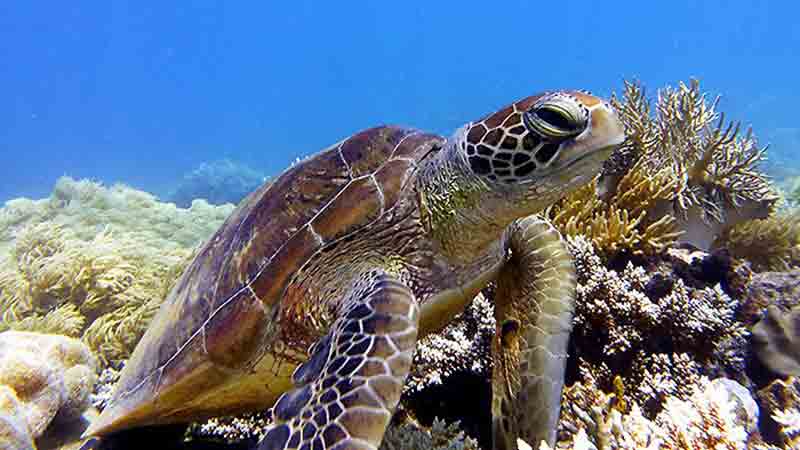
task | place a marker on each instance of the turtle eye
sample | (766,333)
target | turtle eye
(557,118)
(554,117)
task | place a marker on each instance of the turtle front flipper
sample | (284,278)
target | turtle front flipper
(534,304)
(348,389)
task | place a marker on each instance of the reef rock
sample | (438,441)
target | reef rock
(780,409)
(781,289)
(217,182)
(46,379)
(776,340)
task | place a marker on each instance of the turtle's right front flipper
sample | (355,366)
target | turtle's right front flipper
(348,389)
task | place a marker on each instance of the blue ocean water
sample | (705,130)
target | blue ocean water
(141,92)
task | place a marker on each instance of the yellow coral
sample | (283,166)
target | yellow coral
(682,173)
(711,169)
(769,244)
(96,262)
(628,221)
(65,320)
(52,376)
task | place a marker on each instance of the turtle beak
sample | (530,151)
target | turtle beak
(602,136)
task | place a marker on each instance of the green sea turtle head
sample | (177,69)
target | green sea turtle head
(541,147)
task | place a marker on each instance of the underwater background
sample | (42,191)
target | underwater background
(144,92)
(129,131)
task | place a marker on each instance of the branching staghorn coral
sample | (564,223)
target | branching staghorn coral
(95,262)
(441,436)
(651,328)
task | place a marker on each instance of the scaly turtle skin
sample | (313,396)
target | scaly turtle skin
(311,297)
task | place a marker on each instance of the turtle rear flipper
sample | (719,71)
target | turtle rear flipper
(348,389)
(534,304)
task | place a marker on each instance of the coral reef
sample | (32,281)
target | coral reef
(14,432)
(682,174)
(85,207)
(657,330)
(713,416)
(217,182)
(656,315)
(770,244)
(95,262)
(48,379)
(776,340)
(458,348)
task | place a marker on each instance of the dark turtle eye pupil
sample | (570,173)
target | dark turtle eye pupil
(554,118)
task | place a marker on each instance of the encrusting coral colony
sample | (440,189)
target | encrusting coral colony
(684,337)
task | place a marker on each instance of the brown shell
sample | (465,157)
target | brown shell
(223,307)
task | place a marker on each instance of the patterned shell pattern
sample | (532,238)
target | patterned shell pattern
(224,306)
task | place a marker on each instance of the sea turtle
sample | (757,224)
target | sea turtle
(312,295)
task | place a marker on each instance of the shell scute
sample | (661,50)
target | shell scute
(341,215)
(221,312)
(237,334)
(416,145)
(366,151)
(392,177)
(269,284)
(280,212)
(192,353)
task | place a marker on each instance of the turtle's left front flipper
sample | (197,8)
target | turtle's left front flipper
(348,389)
(534,304)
